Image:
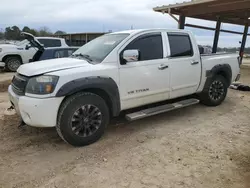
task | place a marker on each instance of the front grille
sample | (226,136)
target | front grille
(19,83)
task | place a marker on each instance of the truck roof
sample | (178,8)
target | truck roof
(135,31)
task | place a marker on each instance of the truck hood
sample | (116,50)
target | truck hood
(5,46)
(11,47)
(42,67)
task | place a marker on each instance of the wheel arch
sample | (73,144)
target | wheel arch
(223,70)
(12,55)
(218,70)
(104,87)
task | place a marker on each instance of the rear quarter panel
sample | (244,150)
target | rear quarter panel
(209,61)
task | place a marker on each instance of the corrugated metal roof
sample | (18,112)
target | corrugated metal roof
(183,4)
(229,11)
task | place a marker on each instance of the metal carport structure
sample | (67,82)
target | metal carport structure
(221,11)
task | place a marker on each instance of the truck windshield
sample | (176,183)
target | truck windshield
(97,49)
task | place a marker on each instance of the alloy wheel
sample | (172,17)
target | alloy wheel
(86,120)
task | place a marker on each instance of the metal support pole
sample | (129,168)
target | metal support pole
(216,36)
(170,14)
(86,38)
(243,43)
(70,41)
(80,41)
(182,20)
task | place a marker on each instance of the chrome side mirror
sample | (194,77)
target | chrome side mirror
(131,55)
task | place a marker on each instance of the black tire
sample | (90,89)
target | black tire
(12,64)
(79,134)
(215,92)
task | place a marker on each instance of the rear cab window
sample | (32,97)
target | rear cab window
(63,53)
(50,42)
(70,52)
(180,45)
(59,53)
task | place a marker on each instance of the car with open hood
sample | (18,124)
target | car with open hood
(14,55)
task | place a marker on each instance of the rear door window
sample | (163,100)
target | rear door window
(180,45)
(50,42)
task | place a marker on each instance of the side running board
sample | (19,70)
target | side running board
(160,109)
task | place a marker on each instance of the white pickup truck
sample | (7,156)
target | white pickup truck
(14,55)
(117,72)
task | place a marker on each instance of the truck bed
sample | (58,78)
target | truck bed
(211,60)
(220,53)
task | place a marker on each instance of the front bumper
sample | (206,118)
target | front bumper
(36,112)
(2,65)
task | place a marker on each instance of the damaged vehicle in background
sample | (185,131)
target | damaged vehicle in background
(120,72)
(14,55)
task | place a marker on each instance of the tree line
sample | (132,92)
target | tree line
(14,32)
(230,49)
(233,49)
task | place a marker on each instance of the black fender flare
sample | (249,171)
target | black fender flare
(220,69)
(106,84)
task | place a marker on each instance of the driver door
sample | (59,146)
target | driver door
(147,80)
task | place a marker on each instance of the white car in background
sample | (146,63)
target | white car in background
(14,55)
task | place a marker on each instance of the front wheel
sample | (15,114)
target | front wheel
(216,91)
(82,119)
(12,64)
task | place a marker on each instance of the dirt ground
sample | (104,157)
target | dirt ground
(195,147)
(5,80)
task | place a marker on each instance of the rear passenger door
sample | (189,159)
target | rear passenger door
(185,65)
(147,80)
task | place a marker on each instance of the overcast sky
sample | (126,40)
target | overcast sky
(101,15)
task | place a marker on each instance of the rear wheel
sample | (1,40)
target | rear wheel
(216,91)
(12,64)
(82,119)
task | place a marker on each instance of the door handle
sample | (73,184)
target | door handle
(195,63)
(162,67)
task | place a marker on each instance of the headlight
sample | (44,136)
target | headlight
(42,85)
(1,49)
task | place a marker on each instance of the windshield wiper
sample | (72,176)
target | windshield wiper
(85,56)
